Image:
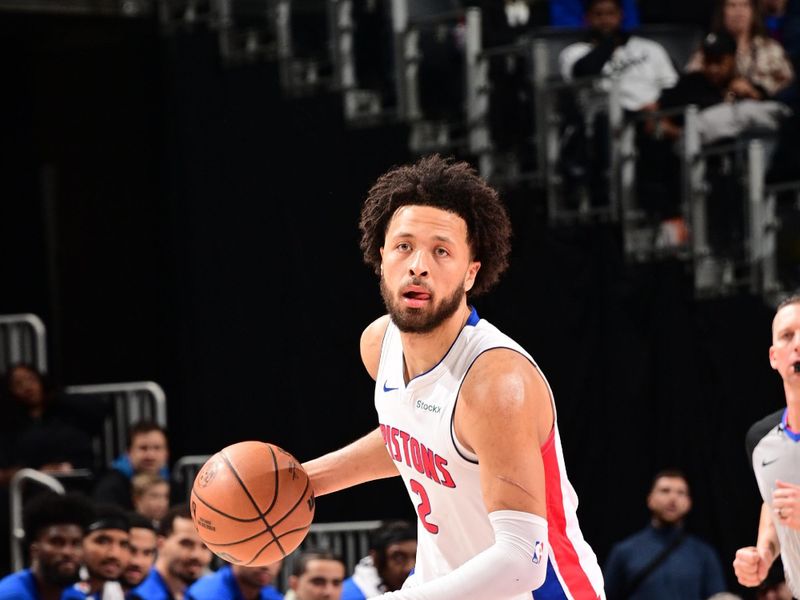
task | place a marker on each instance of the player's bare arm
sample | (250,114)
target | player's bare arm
(504,415)
(370,344)
(365,459)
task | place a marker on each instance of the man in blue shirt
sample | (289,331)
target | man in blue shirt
(143,544)
(54,528)
(106,552)
(182,558)
(235,582)
(663,562)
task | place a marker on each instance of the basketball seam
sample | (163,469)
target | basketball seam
(226,515)
(291,510)
(247,539)
(277,480)
(284,534)
(252,500)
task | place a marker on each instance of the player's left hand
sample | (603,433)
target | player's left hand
(786,504)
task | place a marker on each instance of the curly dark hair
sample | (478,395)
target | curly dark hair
(49,508)
(449,185)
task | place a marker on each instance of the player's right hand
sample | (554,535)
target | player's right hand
(750,566)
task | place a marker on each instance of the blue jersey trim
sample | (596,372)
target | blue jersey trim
(551,588)
(795,437)
(472,320)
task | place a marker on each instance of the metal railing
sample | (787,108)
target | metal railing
(185,470)
(23,339)
(127,403)
(19,482)
(350,540)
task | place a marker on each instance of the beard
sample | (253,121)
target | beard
(94,573)
(131,580)
(418,320)
(55,577)
(184,575)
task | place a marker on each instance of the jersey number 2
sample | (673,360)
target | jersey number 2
(424,506)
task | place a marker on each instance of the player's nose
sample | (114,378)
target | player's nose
(418,266)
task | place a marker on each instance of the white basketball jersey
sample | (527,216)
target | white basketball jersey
(442,479)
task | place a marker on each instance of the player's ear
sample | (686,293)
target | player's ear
(472,273)
(772,357)
(293,582)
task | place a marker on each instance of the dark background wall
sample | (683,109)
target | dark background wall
(174,220)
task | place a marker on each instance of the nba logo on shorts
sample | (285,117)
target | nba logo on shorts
(538,548)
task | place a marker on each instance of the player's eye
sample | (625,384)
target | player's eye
(404,246)
(442,251)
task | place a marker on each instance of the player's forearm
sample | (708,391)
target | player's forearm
(364,460)
(767,543)
(515,565)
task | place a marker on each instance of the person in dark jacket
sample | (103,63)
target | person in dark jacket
(36,429)
(148,452)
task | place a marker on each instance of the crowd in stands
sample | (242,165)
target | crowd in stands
(741,78)
(131,538)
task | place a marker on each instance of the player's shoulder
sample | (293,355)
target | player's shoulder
(499,374)
(760,429)
(370,345)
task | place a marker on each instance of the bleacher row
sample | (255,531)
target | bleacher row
(462,88)
(23,340)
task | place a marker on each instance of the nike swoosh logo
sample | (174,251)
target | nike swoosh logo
(765,462)
(388,389)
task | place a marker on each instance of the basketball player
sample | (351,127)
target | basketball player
(182,558)
(54,528)
(143,544)
(774,449)
(466,416)
(316,575)
(106,552)
(237,582)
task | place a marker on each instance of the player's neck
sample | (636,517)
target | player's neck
(248,592)
(95,584)
(46,590)
(176,585)
(423,351)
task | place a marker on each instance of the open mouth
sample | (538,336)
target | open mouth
(796,367)
(416,297)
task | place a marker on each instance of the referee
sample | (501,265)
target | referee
(775,452)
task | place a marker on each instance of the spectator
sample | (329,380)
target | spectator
(762,67)
(237,582)
(182,558)
(150,496)
(106,552)
(570,13)
(54,528)
(36,432)
(147,453)
(662,561)
(658,168)
(316,575)
(143,545)
(643,66)
(392,552)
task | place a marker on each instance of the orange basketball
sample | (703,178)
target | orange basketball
(252,503)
